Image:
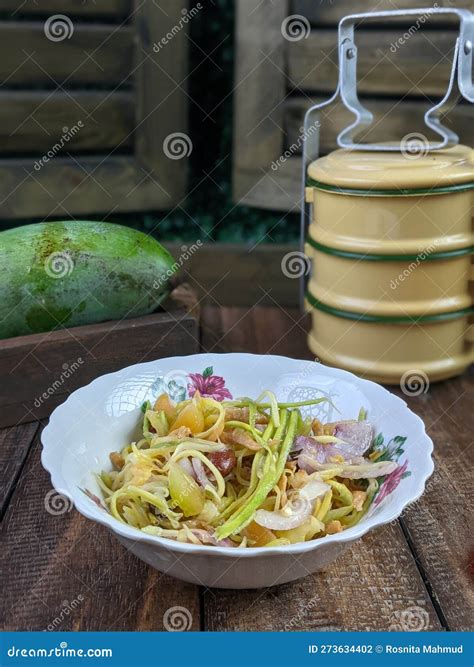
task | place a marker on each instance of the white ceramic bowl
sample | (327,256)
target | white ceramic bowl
(103,417)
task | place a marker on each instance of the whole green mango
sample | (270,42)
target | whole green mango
(63,274)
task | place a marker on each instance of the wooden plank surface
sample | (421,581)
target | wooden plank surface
(437,525)
(40,370)
(418,66)
(86,8)
(63,572)
(33,122)
(321,13)
(53,563)
(93,54)
(15,443)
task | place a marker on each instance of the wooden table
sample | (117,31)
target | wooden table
(64,572)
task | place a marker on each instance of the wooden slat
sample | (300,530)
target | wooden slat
(330,13)
(51,563)
(237,275)
(33,122)
(420,66)
(274,190)
(66,187)
(367,585)
(94,54)
(40,370)
(392,121)
(15,443)
(438,525)
(259,85)
(109,8)
(161,94)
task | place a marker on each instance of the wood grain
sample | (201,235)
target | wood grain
(94,54)
(418,66)
(259,86)
(63,572)
(108,8)
(40,370)
(437,525)
(34,121)
(15,443)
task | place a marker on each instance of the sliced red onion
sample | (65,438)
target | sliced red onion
(366,470)
(291,516)
(356,436)
(200,473)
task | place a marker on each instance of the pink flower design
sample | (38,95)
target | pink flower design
(391,482)
(208,385)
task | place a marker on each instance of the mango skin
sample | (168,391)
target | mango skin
(64,274)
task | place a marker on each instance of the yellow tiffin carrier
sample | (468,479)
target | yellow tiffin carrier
(390,238)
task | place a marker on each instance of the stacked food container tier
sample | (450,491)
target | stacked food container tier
(391,243)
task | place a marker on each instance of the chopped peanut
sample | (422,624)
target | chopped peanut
(317,427)
(358,499)
(181,432)
(334,527)
(117,460)
(300,479)
(239,437)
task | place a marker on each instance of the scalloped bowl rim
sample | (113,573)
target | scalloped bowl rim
(350,534)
